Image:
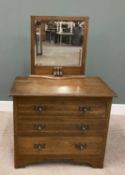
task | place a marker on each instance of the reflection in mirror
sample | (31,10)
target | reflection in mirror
(58,42)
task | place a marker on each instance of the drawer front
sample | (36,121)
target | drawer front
(60,145)
(41,108)
(41,127)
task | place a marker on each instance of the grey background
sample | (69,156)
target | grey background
(106,39)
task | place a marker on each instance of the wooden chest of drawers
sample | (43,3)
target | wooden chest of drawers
(60,119)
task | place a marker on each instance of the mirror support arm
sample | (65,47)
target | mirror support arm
(57,71)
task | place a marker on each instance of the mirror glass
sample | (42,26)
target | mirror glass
(58,42)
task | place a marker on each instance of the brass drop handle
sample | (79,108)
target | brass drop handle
(81,146)
(84,109)
(84,127)
(40,108)
(39,146)
(39,126)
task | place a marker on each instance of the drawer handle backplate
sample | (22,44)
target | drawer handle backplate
(84,127)
(39,146)
(40,108)
(84,109)
(39,126)
(80,146)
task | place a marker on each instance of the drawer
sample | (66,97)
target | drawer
(60,145)
(43,127)
(84,108)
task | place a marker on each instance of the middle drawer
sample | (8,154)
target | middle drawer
(76,127)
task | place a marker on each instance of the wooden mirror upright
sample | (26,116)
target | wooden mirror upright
(58,45)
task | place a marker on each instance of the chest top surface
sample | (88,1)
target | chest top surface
(65,86)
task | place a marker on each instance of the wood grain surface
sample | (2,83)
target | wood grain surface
(77,86)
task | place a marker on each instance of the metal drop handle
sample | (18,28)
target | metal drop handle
(84,127)
(39,126)
(40,108)
(81,146)
(84,109)
(39,146)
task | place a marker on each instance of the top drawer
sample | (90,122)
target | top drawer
(61,106)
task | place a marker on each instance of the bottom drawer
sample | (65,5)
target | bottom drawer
(60,145)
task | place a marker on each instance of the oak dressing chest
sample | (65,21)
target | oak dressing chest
(59,113)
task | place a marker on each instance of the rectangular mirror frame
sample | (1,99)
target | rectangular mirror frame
(67,70)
